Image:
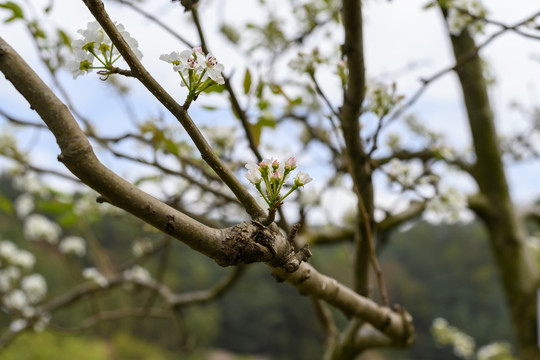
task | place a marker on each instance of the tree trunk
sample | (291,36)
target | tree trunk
(517,269)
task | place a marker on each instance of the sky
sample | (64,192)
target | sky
(404,43)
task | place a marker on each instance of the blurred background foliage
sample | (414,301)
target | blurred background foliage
(432,270)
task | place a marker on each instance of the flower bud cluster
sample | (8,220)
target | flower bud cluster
(274,176)
(197,70)
(96,45)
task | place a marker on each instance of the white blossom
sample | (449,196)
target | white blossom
(381,98)
(141,247)
(7,250)
(458,16)
(18,325)
(38,227)
(35,287)
(133,44)
(171,58)
(251,165)
(393,141)
(401,172)
(494,351)
(444,334)
(24,205)
(214,69)
(23,259)
(41,322)
(137,274)
(253,176)
(73,245)
(463,345)
(306,62)
(189,61)
(95,276)
(14,256)
(8,277)
(446,206)
(81,61)
(192,64)
(95,42)
(92,33)
(30,183)
(302,179)
(16,300)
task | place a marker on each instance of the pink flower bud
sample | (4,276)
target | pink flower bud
(264,164)
(290,164)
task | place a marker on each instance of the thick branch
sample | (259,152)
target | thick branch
(309,281)
(228,247)
(519,272)
(78,156)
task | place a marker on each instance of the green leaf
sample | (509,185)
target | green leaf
(247,82)
(267,119)
(297,101)
(16,9)
(256,130)
(263,105)
(215,88)
(5,205)
(49,7)
(209,107)
(260,88)
(429,5)
(276,89)
(171,146)
(64,38)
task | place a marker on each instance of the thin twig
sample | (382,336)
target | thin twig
(156,21)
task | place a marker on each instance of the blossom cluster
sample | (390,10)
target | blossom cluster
(444,334)
(197,70)
(39,228)
(20,290)
(464,345)
(307,62)
(494,351)
(93,275)
(141,247)
(381,98)
(463,14)
(96,45)
(137,274)
(447,206)
(274,176)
